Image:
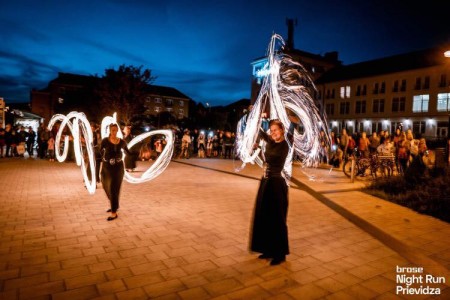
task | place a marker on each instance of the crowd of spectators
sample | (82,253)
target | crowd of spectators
(16,141)
(402,146)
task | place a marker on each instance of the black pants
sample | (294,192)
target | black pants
(112,177)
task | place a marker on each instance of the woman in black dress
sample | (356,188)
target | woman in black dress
(112,168)
(269,234)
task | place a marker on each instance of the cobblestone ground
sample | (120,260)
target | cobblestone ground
(184,235)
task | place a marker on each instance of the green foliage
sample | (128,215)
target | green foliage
(427,192)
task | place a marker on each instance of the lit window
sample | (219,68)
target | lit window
(420,103)
(181,103)
(157,108)
(157,100)
(443,102)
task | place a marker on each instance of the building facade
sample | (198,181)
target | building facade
(73,92)
(410,91)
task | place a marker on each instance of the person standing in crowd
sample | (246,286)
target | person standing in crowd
(185,144)
(374,142)
(43,138)
(269,234)
(8,139)
(130,160)
(30,141)
(209,146)
(2,141)
(403,152)
(201,145)
(363,145)
(51,148)
(113,168)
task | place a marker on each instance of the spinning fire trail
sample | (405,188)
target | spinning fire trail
(81,132)
(284,89)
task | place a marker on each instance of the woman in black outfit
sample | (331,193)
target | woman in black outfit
(269,234)
(112,168)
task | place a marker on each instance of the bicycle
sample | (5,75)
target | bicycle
(365,167)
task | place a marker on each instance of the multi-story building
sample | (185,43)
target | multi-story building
(70,92)
(409,90)
(166,99)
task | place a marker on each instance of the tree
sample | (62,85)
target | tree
(124,91)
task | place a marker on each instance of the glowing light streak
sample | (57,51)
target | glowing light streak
(283,89)
(82,136)
(161,162)
(79,120)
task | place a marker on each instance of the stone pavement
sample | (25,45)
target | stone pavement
(184,235)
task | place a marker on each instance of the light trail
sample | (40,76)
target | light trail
(82,136)
(284,89)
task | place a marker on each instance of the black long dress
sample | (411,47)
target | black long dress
(269,233)
(112,170)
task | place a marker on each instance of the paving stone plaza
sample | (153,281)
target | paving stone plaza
(185,235)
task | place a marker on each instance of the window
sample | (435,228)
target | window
(181,103)
(158,100)
(329,109)
(398,104)
(378,106)
(358,90)
(360,107)
(344,92)
(344,108)
(157,109)
(148,99)
(395,87)
(443,102)
(169,109)
(426,83)
(181,111)
(364,90)
(375,88)
(403,86)
(383,87)
(333,96)
(443,81)
(169,102)
(418,84)
(418,128)
(420,103)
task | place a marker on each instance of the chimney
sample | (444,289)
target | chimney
(290,40)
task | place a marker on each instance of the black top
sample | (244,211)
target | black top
(275,155)
(113,151)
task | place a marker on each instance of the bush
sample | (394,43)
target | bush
(426,192)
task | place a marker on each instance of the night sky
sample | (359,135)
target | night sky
(202,48)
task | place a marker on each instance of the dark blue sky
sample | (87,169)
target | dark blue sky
(202,48)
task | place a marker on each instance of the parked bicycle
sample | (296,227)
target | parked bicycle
(368,167)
